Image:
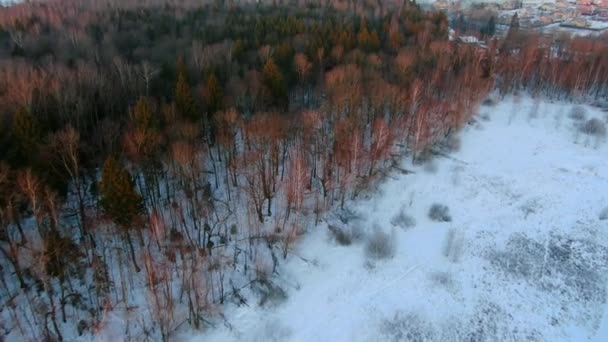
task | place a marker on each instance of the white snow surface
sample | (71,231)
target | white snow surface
(528,259)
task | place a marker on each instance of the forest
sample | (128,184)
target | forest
(161,157)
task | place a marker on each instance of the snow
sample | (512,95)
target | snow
(525,256)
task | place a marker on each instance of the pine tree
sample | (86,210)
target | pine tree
(27,135)
(119,199)
(142,116)
(511,39)
(274,82)
(184,101)
(492,26)
(214,96)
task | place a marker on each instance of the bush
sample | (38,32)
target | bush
(594,127)
(341,235)
(578,113)
(604,214)
(423,157)
(380,245)
(270,293)
(403,220)
(407,327)
(489,102)
(442,279)
(440,213)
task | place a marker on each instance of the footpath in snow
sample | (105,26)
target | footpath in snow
(523,258)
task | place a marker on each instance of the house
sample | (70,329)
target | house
(509,5)
(602,14)
(531,3)
(441,5)
(577,22)
(547,7)
(545,20)
(585,9)
(561,15)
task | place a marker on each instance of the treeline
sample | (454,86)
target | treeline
(159,158)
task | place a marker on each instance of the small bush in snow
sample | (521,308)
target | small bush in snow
(407,327)
(604,214)
(345,235)
(263,270)
(380,245)
(442,279)
(578,113)
(440,212)
(423,157)
(341,235)
(489,102)
(403,220)
(594,127)
(270,293)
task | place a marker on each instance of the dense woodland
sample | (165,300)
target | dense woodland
(160,158)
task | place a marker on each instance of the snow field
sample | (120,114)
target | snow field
(524,257)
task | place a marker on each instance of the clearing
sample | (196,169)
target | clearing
(524,257)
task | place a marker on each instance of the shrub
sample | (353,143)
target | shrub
(340,235)
(578,113)
(604,214)
(407,327)
(380,245)
(270,294)
(442,279)
(489,102)
(263,270)
(345,235)
(423,157)
(594,127)
(403,220)
(440,213)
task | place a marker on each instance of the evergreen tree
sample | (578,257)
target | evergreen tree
(184,101)
(510,41)
(274,82)
(27,135)
(142,116)
(119,199)
(367,41)
(492,26)
(214,96)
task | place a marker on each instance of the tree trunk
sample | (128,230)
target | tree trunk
(131,249)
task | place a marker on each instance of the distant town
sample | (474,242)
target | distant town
(580,17)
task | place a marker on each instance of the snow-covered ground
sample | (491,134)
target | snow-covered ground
(524,258)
